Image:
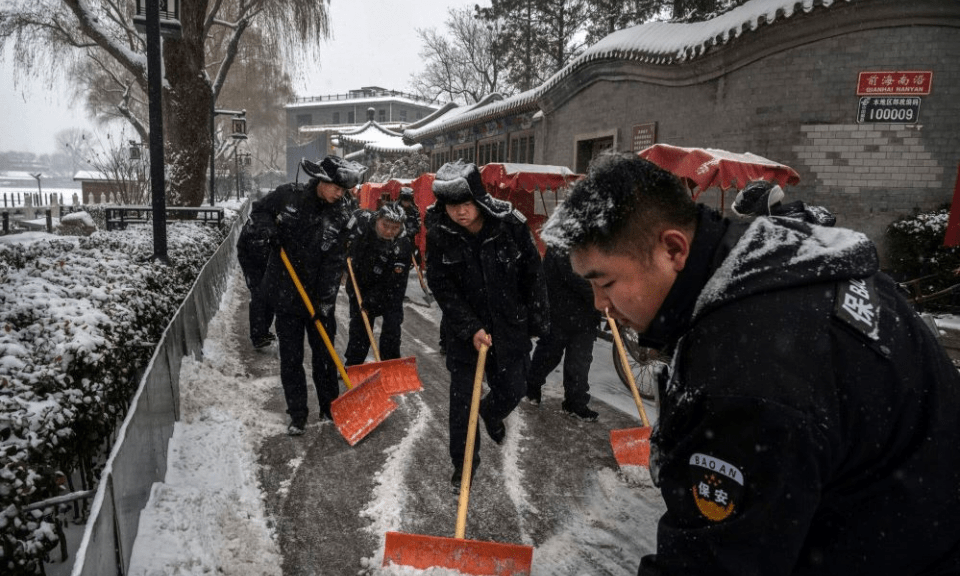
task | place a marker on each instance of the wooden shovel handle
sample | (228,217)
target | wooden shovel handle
(363,313)
(471,441)
(626,368)
(317,323)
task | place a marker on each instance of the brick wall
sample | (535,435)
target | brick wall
(796,105)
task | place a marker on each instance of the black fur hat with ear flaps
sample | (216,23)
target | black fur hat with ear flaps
(459,182)
(335,170)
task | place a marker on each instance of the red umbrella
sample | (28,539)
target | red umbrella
(702,168)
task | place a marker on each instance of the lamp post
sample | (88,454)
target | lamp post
(150,20)
(239,128)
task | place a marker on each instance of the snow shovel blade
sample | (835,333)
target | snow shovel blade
(399,376)
(467,556)
(631,446)
(361,409)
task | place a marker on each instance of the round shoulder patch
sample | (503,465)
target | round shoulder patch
(717,486)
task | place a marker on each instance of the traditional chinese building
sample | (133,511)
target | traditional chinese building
(372,142)
(858,96)
(314,122)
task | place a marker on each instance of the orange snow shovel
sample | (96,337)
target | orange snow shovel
(362,407)
(399,375)
(457,553)
(631,446)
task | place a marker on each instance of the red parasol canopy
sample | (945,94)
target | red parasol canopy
(702,168)
(422,186)
(520,183)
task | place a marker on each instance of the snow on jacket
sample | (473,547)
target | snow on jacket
(809,425)
(381,267)
(493,280)
(570,295)
(310,230)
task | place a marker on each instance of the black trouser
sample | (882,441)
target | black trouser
(576,349)
(261,309)
(359,342)
(290,331)
(506,377)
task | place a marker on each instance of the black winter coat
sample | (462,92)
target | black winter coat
(493,280)
(810,423)
(381,267)
(311,232)
(570,295)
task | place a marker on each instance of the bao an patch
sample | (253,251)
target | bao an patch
(717,486)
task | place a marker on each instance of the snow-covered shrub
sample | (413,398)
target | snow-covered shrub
(79,318)
(915,250)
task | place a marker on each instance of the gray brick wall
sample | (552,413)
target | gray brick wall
(799,107)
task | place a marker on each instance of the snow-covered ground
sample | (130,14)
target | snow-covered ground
(208,516)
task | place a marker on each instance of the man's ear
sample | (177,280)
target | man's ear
(677,246)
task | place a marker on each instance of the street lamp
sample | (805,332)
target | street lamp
(169,18)
(238,127)
(154,29)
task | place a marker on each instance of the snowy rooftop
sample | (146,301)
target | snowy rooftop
(360,98)
(346,128)
(90,175)
(15,175)
(373,136)
(490,107)
(666,43)
(659,43)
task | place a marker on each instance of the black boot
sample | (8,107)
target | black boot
(457,479)
(496,430)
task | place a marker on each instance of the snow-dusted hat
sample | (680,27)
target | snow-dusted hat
(406,193)
(391,212)
(757,198)
(335,170)
(457,182)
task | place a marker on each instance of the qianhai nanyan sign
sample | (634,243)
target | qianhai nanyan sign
(883,82)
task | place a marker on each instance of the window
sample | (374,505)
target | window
(304,120)
(419,115)
(383,115)
(351,119)
(467,153)
(403,115)
(521,148)
(491,151)
(440,157)
(336,117)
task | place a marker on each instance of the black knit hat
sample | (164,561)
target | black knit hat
(406,193)
(335,170)
(458,182)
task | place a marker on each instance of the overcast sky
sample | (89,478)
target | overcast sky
(374,43)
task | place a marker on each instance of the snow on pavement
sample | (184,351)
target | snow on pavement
(208,515)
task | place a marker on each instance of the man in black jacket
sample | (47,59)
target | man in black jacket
(253,253)
(380,254)
(485,273)
(809,424)
(307,222)
(573,330)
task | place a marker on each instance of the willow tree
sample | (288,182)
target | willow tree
(49,38)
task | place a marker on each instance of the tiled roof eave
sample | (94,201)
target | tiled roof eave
(471,118)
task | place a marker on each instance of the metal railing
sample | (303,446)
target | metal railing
(360,94)
(139,456)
